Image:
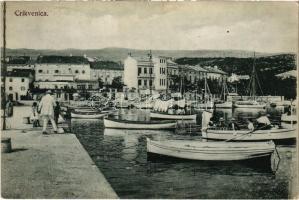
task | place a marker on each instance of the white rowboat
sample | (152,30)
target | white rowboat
(172,116)
(213,151)
(125,124)
(88,115)
(249,104)
(246,135)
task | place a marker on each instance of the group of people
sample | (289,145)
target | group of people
(261,123)
(47,110)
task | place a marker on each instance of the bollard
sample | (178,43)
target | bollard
(5,145)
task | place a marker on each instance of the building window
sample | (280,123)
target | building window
(22,88)
(23,80)
(10,88)
(139,70)
(56,71)
(145,82)
(139,82)
(76,71)
(10,79)
(160,70)
(40,71)
(150,82)
(83,72)
(90,87)
(145,70)
(151,70)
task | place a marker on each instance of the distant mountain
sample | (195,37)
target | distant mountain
(119,54)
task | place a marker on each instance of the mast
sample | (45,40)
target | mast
(205,95)
(253,89)
(4,66)
(151,71)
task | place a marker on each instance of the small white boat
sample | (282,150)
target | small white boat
(87,115)
(159,115)
(247,135)
(226,104)
(288,118)
(86,110)
(126,124)
(212,151)
(249,104)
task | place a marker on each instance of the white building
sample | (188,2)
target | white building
(19,62)
(106,71)
(214,73)
(59,71)
(235,77)
(193,73)
(146,73)
(17,85)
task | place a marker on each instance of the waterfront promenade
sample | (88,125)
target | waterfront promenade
(51,166)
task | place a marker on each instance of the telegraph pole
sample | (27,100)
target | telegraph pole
(4,66)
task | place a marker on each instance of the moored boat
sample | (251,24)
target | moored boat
(288,118)
(87,115)
(247,135)
(160,115)
(225,104)
(212,151)
(126,124)
(249,104)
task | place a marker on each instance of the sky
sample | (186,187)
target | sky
(255,26)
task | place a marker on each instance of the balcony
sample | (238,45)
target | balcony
(142,75)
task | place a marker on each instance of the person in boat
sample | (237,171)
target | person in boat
(250,125)
(221,124)
(275,114)
(233,125)
(263,122)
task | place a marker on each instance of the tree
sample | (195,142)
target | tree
(117,83)
(175,83)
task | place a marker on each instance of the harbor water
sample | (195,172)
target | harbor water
(121,155)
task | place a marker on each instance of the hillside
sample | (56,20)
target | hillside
(119,54)
(266,67)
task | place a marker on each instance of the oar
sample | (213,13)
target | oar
(245,134)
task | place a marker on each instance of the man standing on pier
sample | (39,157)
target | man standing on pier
(46,108)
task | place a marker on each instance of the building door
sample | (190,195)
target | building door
(10,97)
(17,96)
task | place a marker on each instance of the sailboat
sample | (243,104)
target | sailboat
(208,103)
(223,103)
(252,103)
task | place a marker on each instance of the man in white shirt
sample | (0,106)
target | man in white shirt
(46,108)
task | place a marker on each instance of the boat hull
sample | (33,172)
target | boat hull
(241,135)
(126,125)
(211,151)
(249,105)
(174,117)
(224,105)
(288,118)
(87,116)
